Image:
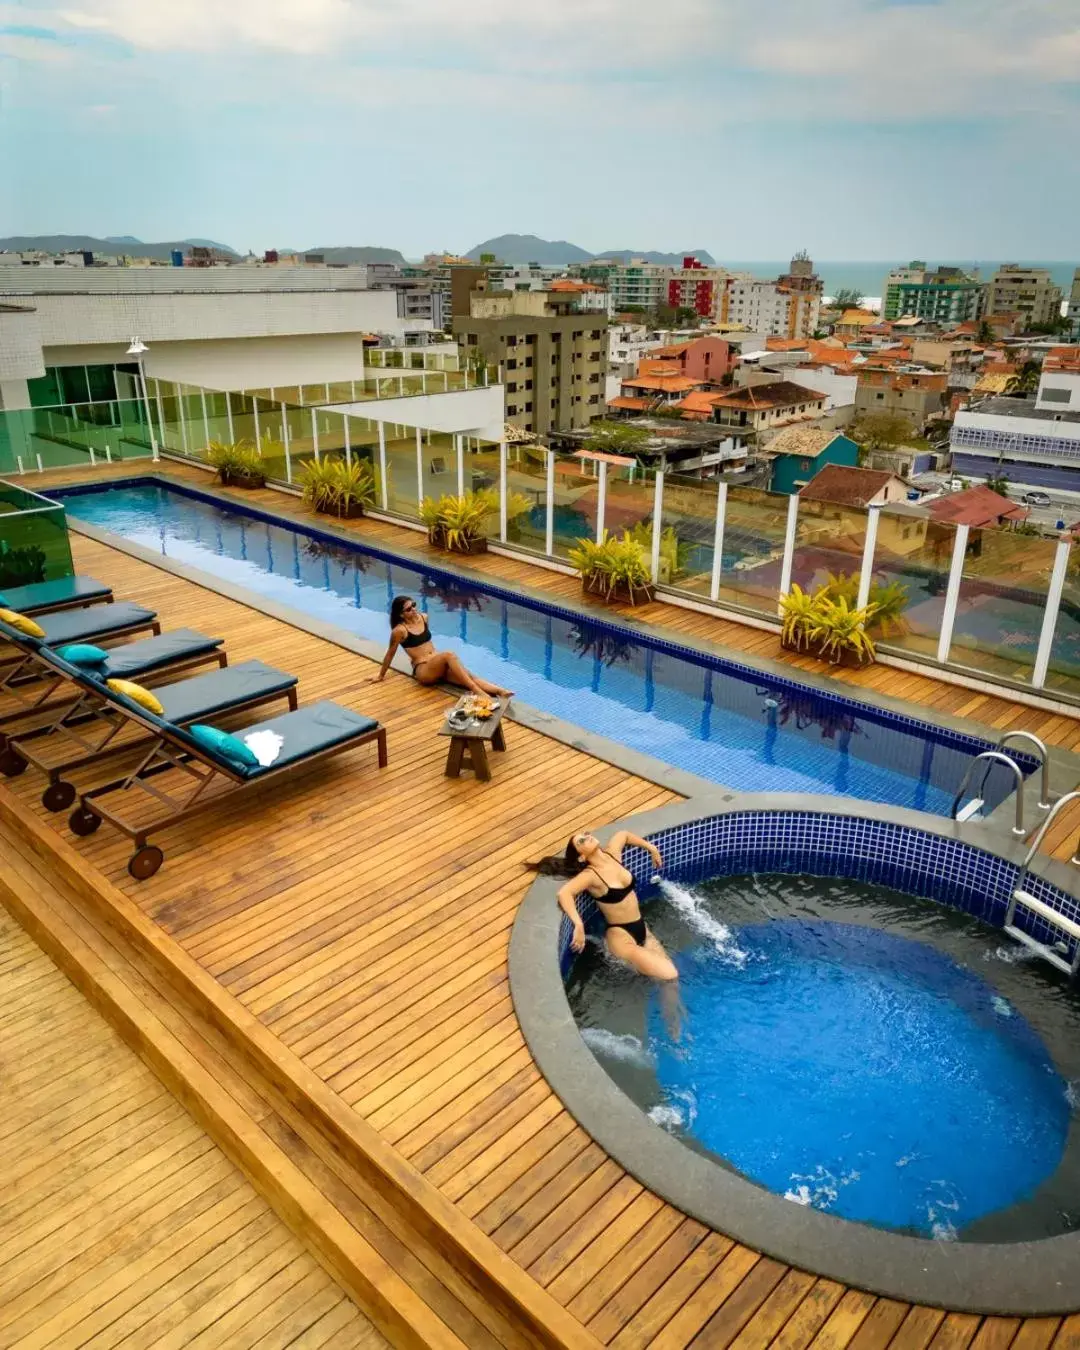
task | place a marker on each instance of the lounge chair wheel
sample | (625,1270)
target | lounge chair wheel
(145,862)
(11,762)
(58,796)
(83,821)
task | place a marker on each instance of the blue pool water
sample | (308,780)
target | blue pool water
(715,719)
(881,1058)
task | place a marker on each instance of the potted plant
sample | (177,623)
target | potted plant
(238,463)
(457,523)
(888,601)
(616,569)
(337,488)
(825,626)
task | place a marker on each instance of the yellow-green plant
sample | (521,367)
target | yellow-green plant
(888,601)
(457,522)
(798,611)
(838,627)
(612,564)
(332,485)
(236,459)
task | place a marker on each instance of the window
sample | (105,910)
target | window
(594,379)
(511,364)
(528,407)
(594,398)
(579,335)
(880,397)
(528,384)
(528,361)
(1056,395)
(511,388)
(511,341)
(804,464)
(511,410)
(595,335)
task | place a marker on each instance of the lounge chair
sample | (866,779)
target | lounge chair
(90,730)
(45,597)
(32,679)
(309,734)
(98,623)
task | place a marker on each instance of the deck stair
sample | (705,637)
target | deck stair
(1064,951)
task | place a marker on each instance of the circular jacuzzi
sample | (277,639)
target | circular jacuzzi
(857,1071)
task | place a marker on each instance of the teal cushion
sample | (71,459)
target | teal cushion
(82,654)
(228,747)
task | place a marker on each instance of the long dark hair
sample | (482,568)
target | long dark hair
(397,609)
(565,864)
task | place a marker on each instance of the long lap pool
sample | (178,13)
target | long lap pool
(728,723)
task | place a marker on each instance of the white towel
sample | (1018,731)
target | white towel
(264,745)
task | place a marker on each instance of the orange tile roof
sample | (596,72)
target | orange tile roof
(859,316)
(779,394)
(672,384)
(978,506)
(650,366)
(569,284)
(698,402)
(779,344)
(675,349)
(1065,359)
(846,486)
(631,404)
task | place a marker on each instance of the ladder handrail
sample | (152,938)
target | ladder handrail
(1044,758)
(1040,834)
(999,758)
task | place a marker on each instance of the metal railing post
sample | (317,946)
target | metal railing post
(460,454)
(315,434)
(502,490)
(382,465)
(228,413)
(419,469)
(866,576)
(285,443)
(549,522)
(718,541)
(657,526)
(952,593)
(789,546)
(601,499)
(1050,613)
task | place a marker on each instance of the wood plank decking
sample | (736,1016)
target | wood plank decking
(363,916)
(121,1222)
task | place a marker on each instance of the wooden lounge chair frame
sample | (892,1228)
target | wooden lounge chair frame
(108,719)
(128,630)
(104,597)
(34,678)
(171,752)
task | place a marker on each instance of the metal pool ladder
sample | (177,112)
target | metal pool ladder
(998,756)
(1057,953)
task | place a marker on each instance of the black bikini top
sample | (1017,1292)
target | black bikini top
(613,894)
(416,639)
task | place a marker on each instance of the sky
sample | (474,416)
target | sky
(857,129)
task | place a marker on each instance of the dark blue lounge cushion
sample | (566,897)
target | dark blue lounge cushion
(83,654)
(302,733)
(79,625)
(230,748)
(207,696)
(133,659)
(63,591)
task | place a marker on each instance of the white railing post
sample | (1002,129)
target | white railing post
(601,499)
(183,419)
(549,523)
(258,432)
(866,576)
(326,388)
(285,443)
(382,466)
(161,420)
(1050,614)
(228,412)
(789,546)
(657,526)
(315,434)
(502,492)
(419,469)
(93,461)
(348,440)
(205,418)
(718,541)
(952,593)
(460,453)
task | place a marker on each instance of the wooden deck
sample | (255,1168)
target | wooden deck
(362,916)
(121,1222)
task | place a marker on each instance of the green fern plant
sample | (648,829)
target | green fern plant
(888,601)
(611,565)
(457,523)
(236,459)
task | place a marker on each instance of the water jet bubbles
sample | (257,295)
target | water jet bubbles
(624,1047)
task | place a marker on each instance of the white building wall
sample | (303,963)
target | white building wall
(1059,391)
(183,280)
(475,412)
(20,344)
(839,390)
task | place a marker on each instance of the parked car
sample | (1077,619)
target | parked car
(1035,499)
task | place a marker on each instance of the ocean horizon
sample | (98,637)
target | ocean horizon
(869,277)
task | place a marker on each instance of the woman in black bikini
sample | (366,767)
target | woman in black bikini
(600,872)
(409,629)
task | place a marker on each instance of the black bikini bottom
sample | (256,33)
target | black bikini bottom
(636,928)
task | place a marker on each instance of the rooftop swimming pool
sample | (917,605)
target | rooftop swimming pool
(735,726)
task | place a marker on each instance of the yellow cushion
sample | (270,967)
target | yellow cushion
(22,623)
(143,697)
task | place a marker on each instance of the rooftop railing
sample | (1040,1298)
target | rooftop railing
(404,384)
(1000,604)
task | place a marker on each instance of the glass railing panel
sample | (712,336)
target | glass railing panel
(628,504)
(1064,670)
(911,564)
(755,525)
(401,471)
(33,539)
(829,542)
(688,531)
(526,478)
(575,507)
(1002,601)
(481,473)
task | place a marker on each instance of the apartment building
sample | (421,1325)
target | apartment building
(553,357)
(1029,292)
(917,396)
(1074,305)
(638,284)
(946,296)
(760,408)
(238,327)
(773,308)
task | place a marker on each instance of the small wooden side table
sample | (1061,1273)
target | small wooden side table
(472,740)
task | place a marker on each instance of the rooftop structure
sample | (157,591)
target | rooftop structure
(979,507)
(851,486)
(945,296)
(1029,292)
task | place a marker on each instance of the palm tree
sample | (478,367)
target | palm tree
(1026,379)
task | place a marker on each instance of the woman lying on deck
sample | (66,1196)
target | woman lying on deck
(409,629)
(600,873)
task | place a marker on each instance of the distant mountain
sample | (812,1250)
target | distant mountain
(74,243)
(357,255)
(665,259)
(527,248)
(122,239)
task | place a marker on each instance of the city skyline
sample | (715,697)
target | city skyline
(305,122)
